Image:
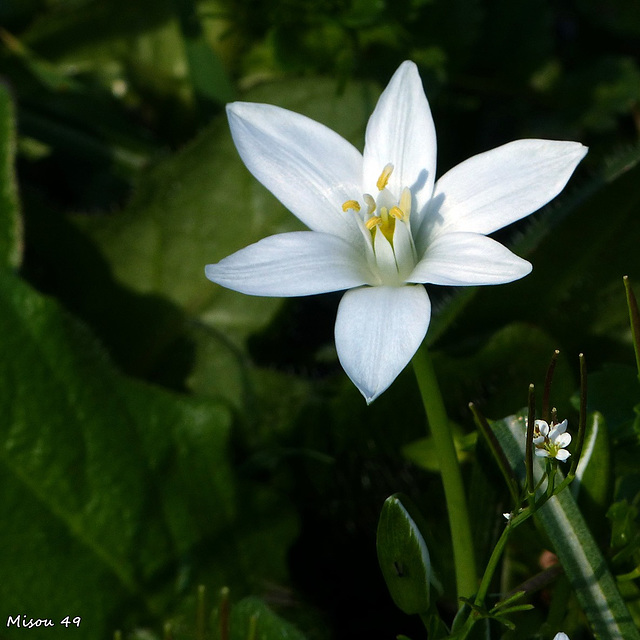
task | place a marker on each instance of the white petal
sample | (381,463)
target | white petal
(562,455)
(561,636)
(542,426)
(403,249)
(561,427)
(401,132)
(542,453)
(307,166)
(466,259)
(561,439)
(385,260)
(292,264)
(378,329)
(494,189)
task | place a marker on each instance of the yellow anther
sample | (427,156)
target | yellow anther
(370,202)
(372,222)
(384,177)
(351,204)
(396,212)
(405,201)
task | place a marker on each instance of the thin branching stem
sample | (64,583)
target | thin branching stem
(497,452)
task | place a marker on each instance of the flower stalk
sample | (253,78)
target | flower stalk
(463,552)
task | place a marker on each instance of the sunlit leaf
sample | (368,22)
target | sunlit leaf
(107,481)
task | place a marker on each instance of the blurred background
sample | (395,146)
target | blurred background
(161,433)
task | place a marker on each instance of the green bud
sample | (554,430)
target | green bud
(403,555)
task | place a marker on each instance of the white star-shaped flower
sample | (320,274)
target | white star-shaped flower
(551,441)
(380,226)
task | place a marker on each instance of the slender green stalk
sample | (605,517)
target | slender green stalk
(497,452)
(528,456)
(463,554)
(492,565)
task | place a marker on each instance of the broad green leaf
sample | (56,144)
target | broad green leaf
(403,555)
(106,482)
(592,486)
(10,220)
(581,559)
(624,527)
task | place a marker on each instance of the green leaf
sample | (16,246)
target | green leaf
(403,555)
(583,563)
(592,485)
(105,482)
(624,527)
(10,220)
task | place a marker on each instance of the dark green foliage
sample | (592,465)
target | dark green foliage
(159,432)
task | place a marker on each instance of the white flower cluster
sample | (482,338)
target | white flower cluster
(551,440)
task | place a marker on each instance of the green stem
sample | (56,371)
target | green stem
(463,555)
(492,565)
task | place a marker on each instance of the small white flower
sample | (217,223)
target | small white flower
(561,636)
(380,226)
(551,441)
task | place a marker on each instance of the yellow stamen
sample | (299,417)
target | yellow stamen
(396,212)
(384,177)
(372,222)
(351,204)
(405,201)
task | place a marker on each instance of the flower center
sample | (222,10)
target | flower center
(385,221)
(386,209)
